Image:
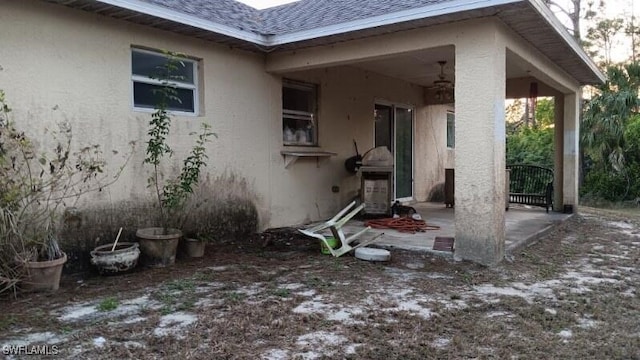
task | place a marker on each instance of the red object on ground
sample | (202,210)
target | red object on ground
(401,224)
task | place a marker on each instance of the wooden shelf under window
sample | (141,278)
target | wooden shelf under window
(291,156)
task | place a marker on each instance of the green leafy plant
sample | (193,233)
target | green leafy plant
(280,292)
(532,145)
(108,304)
(176,295)
(609,134)
(171,194)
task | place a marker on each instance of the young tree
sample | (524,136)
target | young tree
(632,31)
(602,37)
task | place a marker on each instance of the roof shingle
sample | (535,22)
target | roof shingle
(310,14)
(297,16)
(226,12)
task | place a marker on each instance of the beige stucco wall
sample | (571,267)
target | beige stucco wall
(347,96)
(63,64)
(56,72)
(480,146)
(432,154)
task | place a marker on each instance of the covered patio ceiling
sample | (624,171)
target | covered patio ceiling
(422,68)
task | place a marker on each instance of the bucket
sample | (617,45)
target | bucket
(332,242)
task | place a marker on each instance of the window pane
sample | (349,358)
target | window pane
(150,65)
(299,125)
(144,97)
(451,126)
(404,153)
(298,99)
(298,131)
(383,126)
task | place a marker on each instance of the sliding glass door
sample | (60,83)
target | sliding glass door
(394,129)
(404,153)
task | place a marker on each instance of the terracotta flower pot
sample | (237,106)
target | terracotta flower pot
(158,249)
(43,275)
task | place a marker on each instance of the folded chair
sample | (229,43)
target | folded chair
(335,226)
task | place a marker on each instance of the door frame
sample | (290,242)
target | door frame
(412,109)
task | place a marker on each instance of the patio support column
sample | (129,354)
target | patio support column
(480,147)
(558,144)
(571,158)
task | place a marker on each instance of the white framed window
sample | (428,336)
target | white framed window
(299,113)
(146,70)
(451,130)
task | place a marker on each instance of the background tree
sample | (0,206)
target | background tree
(573,12)
(632,31)
(610,135)
(602,37)
(610,124)
(532,144)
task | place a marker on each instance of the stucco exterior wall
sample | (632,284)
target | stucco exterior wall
(347,96)
(63,64)
(432,153)
(53,72)
(480,146)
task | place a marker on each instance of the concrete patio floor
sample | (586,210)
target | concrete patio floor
(524,225)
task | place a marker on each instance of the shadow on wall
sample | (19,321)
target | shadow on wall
(437,193)
(221,209)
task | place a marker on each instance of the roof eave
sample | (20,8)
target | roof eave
(354,29)
(182,18)
(429,11)
(546,13)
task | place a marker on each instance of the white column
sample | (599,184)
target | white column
(571,149)
(558,144)
(480,146)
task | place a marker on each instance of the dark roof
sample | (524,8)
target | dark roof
(310,14)
(283,19)
(227,12)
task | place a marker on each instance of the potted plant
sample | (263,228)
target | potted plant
(35,187)
(194,247)
(115,258)
(43,268)
(159,244)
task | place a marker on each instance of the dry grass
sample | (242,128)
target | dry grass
(572,295)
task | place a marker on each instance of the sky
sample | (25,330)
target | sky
(263,4)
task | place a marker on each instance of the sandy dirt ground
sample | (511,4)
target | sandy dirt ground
(572,295)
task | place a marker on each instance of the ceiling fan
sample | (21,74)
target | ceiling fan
(443,87)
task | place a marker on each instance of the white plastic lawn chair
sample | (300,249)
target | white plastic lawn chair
(335,226)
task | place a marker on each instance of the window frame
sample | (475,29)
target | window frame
(178,84)
(312,117)
(453,129)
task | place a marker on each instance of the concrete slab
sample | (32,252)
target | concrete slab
(524,225)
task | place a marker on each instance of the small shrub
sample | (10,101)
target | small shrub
(108,304)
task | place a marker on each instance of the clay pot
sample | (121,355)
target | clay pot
(123,258)
(157,247)
(43,275)
(194,248)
